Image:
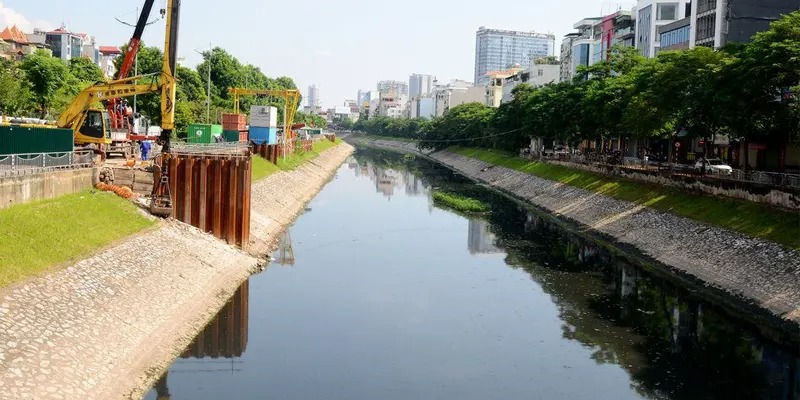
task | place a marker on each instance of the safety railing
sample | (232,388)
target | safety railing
(788,180)
(33,163)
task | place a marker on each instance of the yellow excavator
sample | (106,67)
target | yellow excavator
(93,125)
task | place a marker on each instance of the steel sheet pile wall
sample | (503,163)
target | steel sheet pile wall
(212,192)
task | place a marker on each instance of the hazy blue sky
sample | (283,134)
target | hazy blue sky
(341,45)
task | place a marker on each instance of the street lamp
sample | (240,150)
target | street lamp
(208,93)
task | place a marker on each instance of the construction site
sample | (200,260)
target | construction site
(203,180)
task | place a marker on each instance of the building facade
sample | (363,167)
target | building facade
(64,44)
(586,48)
(494,88)
(420,85)
(652,14)
(567,44)
(399,86)
(455,93)
(497,50)
(718,22)
(536,75)
(675,36)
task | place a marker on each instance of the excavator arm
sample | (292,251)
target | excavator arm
(99,92)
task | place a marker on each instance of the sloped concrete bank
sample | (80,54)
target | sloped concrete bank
(757,273)
(108,326)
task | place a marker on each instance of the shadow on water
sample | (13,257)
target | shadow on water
(673,342)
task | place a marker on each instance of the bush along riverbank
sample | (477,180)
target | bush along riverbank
(460,203)
(750,270)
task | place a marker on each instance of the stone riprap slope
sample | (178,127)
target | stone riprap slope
(752,269)
(107,327)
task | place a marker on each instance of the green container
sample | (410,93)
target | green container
(202,133)
(231,136)
(16,139)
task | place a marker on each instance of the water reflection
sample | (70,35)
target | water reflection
(672,341)
(393,328)
(219,346)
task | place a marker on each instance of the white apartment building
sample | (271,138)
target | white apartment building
(650,15)
(536,75)
(455,93)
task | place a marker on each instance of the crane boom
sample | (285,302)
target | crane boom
(136,41)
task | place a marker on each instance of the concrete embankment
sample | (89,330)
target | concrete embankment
(108,326)
(748,270)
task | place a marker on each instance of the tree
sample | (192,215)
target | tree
(15,95)
(46,75)
(84,70)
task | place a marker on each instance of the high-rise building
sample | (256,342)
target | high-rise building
(399,86)
(420,85)
(313,98)
(497,49)
(652,14)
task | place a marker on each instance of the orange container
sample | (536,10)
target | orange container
(234,122)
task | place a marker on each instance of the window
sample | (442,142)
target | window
(667,11)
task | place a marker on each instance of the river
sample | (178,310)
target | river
(378,292)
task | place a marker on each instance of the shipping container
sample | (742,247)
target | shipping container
(264,116)
(230,135)
(234,122)
(202,133)
(261,135)
(244,136)
(20,139)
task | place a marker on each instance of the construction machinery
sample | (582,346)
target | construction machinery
(291,98)
(93,125)
(109,130)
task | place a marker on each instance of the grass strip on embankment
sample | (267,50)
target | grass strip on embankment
(37,236)
(263,168)
(460,203)
(749,218)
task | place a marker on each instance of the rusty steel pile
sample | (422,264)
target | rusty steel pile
(210,189)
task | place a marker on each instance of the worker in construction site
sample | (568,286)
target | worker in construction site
(145,147)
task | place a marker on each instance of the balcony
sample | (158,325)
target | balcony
(624,33)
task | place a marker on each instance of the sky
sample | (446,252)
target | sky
(341,46)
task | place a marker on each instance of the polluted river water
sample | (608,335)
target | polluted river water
(379,291)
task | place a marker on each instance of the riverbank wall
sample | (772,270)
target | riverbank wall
(109,326)
(20,189)
(740,270)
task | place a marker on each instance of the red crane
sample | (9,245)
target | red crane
(119,116)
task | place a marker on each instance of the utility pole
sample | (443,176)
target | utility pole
(208,88)
(208,99)
(136,73)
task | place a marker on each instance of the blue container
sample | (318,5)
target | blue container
(259,135)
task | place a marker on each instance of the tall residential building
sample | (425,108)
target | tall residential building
(567,45)
(399,86)
(652,14)
(587,46)
(64,44)
(313,98)
(420,85)
(497,50)
(717,22)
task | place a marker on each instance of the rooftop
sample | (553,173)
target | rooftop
(533,34)
(587,22)
(108,50)
(14,35)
